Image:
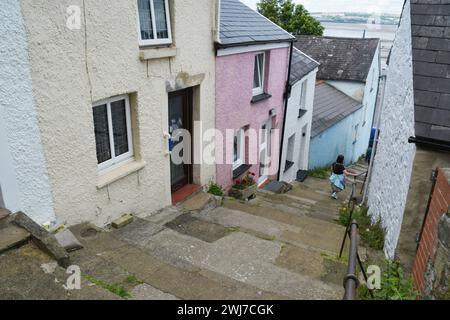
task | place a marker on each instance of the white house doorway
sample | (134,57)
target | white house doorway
(264,152)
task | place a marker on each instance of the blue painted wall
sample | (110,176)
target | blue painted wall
(338,139)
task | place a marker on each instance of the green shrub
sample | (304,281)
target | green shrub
(215,189)
(320,173)
(371,234)
(394,285)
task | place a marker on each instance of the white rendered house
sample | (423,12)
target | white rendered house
(299,112)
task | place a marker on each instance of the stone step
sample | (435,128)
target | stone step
(243,258)
(302,231)
(321,209)
(12,236)
(4,213)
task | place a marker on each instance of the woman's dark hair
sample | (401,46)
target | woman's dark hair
(340,159)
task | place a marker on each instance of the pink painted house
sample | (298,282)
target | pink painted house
(252,70)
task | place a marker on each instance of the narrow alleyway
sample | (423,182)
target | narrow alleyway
(273,247)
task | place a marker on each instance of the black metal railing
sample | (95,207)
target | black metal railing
(351,281)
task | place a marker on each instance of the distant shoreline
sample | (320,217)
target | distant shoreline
(357,18)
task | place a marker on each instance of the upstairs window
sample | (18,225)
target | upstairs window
(258,76)
(154,22)
(112,124)
(303,91)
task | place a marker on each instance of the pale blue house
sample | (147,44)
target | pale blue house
(345,98)
(335,128)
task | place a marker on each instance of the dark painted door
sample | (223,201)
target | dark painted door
(180,117)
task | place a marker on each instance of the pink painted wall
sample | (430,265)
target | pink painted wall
(234,110)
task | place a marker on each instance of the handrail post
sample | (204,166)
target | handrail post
(351,282)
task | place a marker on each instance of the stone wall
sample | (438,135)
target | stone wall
(431,268)
(392,167)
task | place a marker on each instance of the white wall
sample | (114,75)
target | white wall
(353,89)
(70,72)
(367,94)
(294,125)
(23,174)
(392,167)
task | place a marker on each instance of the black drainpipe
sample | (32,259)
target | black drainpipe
(287,94)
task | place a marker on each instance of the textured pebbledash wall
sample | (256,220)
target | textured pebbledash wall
(23,173)
(71,69)
(393,162)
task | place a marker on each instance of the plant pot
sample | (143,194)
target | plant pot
(243,194)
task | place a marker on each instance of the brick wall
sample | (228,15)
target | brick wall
(426,252)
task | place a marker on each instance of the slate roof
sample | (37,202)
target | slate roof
(240,25)
(301,66)
(340,58)
(431,60)
(330,107)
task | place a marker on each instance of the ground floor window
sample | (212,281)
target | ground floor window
(113,137)
(290,153)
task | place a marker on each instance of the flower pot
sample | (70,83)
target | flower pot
(243,194)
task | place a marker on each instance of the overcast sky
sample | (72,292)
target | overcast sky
(387,6)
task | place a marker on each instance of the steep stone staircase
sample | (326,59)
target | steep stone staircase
(276,246)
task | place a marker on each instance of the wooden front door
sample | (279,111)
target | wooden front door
(180,117)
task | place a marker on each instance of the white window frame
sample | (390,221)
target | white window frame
(260,90)
(154,41)
(240,148)
(303,93)
(290,152)
(123,158)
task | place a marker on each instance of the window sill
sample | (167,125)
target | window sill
(151,53)
(105,179)
(288,165)
(261,97)
(239,171)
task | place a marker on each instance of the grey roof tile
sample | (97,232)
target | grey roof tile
(301,66)
(330,107)
(340,58)
(430,21)
(240,25)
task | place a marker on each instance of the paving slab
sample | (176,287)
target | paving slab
(23,277)
(181,282)
(189,225)
(246,259)
(138,232)
(147,292)
(163,216)
(12,236)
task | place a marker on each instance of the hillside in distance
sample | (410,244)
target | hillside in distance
(359,18)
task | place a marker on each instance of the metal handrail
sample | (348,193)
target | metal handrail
(351,282)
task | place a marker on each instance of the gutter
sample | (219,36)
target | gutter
(430,143)
(286,100)
(250,43)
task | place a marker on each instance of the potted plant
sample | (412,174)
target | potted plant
(244,188)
